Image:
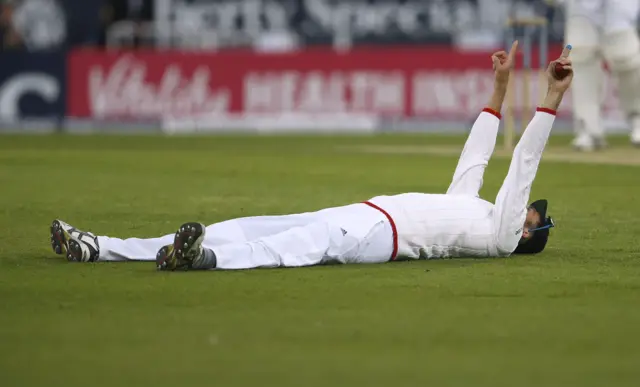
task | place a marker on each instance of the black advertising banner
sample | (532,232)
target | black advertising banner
(55,24)
(32,86)
(369,22)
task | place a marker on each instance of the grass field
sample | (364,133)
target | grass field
(568,317)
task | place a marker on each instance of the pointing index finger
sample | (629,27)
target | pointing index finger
(566,51)
(513,50)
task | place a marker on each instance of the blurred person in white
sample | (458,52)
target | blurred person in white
(603,31)
(406,226)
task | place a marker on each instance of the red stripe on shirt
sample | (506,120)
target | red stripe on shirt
(546,110)
(393,228)
(491,111)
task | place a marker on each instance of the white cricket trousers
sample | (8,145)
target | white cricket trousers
(356,233)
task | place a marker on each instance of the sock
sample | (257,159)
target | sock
(206,261)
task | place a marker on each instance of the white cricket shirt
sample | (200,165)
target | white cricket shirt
(460,223)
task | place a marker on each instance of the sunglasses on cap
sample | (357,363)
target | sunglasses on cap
(548,224)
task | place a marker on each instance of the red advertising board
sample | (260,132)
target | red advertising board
(430,83)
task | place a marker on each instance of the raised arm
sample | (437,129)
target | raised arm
(467,179)
(513,198)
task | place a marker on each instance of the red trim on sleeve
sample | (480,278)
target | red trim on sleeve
(546,110)
(491,111)
(393,228)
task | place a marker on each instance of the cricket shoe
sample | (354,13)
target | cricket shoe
(76,245)
(587,143)
(185,251)
(635,137)
(635,131)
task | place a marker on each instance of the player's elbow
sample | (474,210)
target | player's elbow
(525,155)
(506,243)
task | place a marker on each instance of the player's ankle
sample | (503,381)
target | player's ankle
(207,260)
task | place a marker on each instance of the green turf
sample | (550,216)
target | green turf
(568,317)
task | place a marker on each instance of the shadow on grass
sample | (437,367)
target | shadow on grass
(147,268)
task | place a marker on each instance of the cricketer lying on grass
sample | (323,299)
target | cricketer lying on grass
(384,228)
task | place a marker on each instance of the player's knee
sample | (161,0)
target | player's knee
(622,51)
(584,54)
(627,63)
